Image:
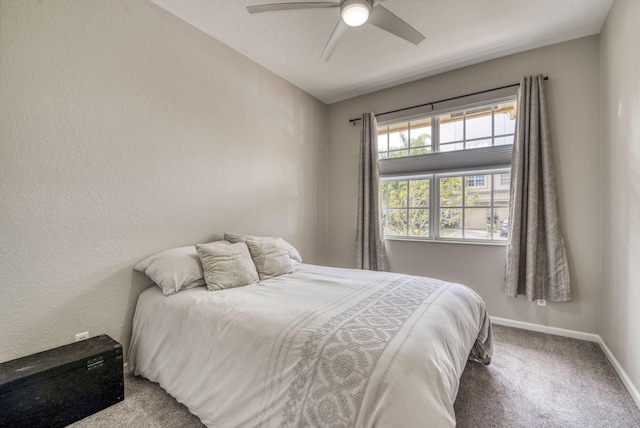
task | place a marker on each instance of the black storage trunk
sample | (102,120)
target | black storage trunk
(63,385)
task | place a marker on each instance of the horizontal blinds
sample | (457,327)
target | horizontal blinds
(445,162)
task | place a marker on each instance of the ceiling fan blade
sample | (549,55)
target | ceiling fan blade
(382,18)
(338,32)
(290,6)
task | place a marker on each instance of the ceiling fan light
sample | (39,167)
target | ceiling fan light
(355,12)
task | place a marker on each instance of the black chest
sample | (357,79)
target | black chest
(60,386)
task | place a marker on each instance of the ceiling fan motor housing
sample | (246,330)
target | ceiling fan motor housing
(355,12)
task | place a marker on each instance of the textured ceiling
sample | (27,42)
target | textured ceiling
(458,33)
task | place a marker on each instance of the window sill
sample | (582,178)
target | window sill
(447,241)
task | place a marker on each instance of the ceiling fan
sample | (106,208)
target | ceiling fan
(354,13)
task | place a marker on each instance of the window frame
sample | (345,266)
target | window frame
(434,206)
(434,176)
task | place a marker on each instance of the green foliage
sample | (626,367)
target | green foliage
(400,195)
(408,205)
(450,196)
(419,145)
(408,200)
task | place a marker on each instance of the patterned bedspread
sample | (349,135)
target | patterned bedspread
(320,347)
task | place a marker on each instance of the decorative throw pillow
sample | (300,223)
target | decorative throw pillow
(173,270)
(237,237)
(270,258)
(226,266)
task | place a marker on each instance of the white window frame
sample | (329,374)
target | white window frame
(434,207)
(488,162)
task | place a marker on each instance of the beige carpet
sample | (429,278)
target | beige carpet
(534,380)
(541,380)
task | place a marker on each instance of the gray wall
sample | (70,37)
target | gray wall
(125,132)
(573,93)
(620,196)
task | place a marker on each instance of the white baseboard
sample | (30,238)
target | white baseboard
(590,337)
(633,391)
(623,375)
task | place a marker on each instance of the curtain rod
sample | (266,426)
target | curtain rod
(353,121)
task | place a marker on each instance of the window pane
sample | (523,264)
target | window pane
(479,123)
(397,194)
(420,132)
(478,194)
(451,127)
(451,191)
(477,223)
(502,226)
(501,183)
(419,193)
(397,222)
(505,118)
(419,222)
(493,224)
(451,223)
(382,139)
(399,136)
(476,181)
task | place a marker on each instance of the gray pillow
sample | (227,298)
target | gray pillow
(237,237)
(269,257)
(226,265)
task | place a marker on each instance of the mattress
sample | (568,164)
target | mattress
(319,347)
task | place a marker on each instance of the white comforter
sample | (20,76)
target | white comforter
(319,347)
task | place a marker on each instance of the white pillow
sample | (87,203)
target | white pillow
(173,270)
(237,237)
(227,266)
(269,257)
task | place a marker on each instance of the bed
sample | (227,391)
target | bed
(318,347)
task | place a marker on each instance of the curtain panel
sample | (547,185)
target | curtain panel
(370,251)
(536,264)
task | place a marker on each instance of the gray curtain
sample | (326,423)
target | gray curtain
(370,252)
(536,257)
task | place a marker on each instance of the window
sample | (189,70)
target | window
(462,194)
(475,181)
